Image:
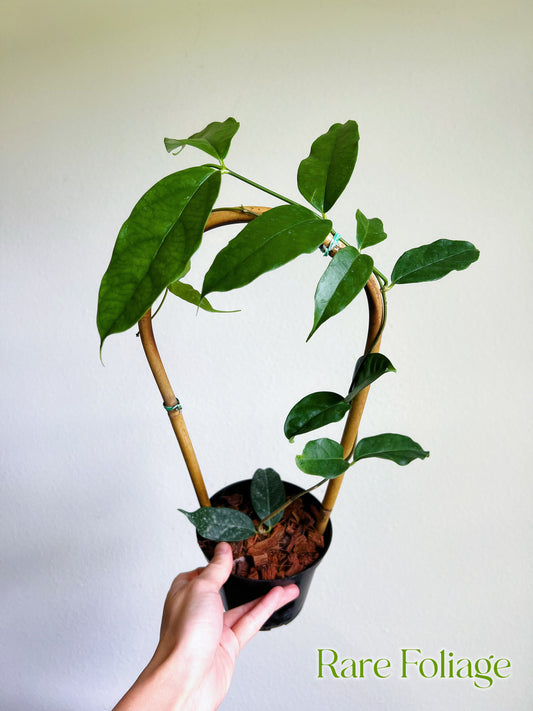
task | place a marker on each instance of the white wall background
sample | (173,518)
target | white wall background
(437,555)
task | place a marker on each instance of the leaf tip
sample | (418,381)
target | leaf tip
(100,351)
(311,333)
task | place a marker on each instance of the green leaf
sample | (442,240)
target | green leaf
(397,448)
(369,368)
(314,411)
(345,276)
(322,457)
(322,408)
(369,231)
(219,524)
(215,139)
(186,270)
(188,293)
(433,261)
(268,494)
(324,174)
(154,246)
(269,241)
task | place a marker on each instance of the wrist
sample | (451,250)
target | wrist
(159,687)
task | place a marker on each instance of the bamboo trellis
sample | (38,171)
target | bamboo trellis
(219,218)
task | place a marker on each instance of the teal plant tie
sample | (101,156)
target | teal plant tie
(331,246)
(173,408)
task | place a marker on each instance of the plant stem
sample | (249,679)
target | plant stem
(381,276)
(160,305)
(289,502)
(257,185)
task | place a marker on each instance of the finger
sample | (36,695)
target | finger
(252,620)
(219,568)
(234,615)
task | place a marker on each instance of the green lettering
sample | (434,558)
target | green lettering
(322,663)
(348,669)
(378,666)
(362,663)
(405,662)
(435,668)
(467,666)
(450,664)
(507,666)
(483,674)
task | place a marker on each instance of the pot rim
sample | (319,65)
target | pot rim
(328,534)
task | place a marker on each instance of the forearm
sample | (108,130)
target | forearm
(193,664)
(158,688)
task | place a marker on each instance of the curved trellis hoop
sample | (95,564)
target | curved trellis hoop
(219,218)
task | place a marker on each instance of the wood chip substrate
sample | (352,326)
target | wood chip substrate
(292,545)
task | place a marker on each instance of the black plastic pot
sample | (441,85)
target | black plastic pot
(239,590)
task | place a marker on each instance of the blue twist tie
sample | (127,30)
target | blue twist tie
(173,408)
(334,243)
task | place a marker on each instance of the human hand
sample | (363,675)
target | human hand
(199,642)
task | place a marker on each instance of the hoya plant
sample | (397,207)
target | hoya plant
(152,256)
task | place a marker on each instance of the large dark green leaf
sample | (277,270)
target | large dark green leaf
(433,261)
(214,139)
(154,246)
(322,457)
(369,368)
(345,276)
(324,174)
(369,231)
(188,293)
(398,448)
(268,494)
(314,411)
(269,241)
(218,524)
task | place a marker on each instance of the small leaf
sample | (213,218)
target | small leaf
(398,448)
(433,261)
(345,276)
(369,368)
(322,457)
(269,241)
(369,231)
(314,411)
(214,139)
(154,246)
(268,494)
(324,174)
(188,293)
(219,524)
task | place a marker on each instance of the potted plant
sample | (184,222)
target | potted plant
(279,531)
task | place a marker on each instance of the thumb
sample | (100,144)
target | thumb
(219,568)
